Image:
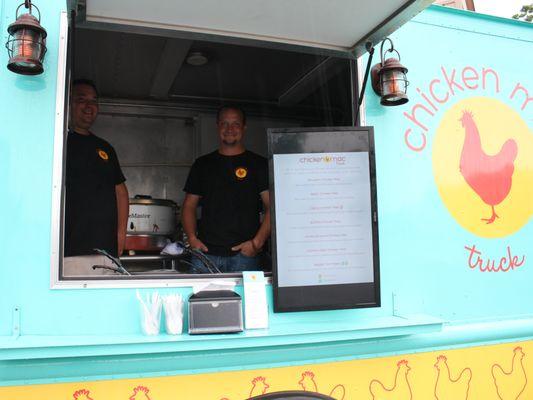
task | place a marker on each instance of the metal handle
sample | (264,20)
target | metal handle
(392,49)
(27,4)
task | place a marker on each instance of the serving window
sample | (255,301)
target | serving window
(158,99)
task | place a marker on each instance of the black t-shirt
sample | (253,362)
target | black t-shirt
(92,171)
(230,188)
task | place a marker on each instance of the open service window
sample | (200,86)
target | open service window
(324,213)
(161,75)
(154,114)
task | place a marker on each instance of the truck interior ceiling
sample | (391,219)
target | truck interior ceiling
(158,99)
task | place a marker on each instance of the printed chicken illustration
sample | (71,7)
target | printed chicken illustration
(447,388)
(490,176)
(140,393)
(400,389)
(308,384)
(338,392)
(259,386)
(82,394)
(510,385)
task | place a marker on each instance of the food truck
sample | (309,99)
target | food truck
(448,176)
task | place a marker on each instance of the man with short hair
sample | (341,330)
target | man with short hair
(97,204)
(231,185)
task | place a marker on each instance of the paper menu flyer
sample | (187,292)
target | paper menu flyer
(255,302)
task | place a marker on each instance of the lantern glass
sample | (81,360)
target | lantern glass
(27,44)
(393,87)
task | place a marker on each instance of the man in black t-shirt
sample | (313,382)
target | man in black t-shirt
(231,186)
(96,203)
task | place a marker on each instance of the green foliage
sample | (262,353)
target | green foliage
(525,14)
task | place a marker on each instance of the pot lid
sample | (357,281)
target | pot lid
(153,202)
(339,25)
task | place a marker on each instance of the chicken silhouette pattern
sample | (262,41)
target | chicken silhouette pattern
(490,372)
(448,388)
(400,389)
(258,387)
(140,393)
(82,394)
(510,385)
(308,384)
(490,176)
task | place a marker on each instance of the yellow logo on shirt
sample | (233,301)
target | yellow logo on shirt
(241,173)
(103,155)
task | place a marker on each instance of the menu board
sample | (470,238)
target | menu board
(324,218)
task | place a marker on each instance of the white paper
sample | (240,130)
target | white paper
(255,302)
(213,285)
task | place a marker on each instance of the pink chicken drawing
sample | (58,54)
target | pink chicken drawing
(308,384)
(259,386)
(490,176)
(140,393)
(510,385)
(447,388)
(82,394)
(400,389)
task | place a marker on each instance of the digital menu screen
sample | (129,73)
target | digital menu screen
(324,219)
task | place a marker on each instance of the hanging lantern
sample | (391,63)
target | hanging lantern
(389,78)
(26,45)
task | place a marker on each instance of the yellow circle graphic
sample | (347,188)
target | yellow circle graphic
(483,166)
(241,172)
(103,155)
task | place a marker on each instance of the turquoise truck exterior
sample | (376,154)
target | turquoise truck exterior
(446,282)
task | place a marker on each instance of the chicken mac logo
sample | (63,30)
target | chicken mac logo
(241,173)
(339,160)
(483,166)
(103,155)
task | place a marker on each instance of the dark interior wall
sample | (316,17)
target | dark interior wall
(156,151)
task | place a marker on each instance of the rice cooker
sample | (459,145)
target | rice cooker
(152,216)
(150,223)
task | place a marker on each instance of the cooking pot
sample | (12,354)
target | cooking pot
(152,216)
(151,243)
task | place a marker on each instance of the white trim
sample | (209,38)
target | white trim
(337,26)
(217,32)
(57,166)
(144,283)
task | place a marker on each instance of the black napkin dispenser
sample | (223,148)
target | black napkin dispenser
(215,311)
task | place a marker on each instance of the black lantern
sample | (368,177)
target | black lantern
(26,45)
(388,78)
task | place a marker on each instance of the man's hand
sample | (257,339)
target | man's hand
(248,248)
(197,244)
(188,220)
